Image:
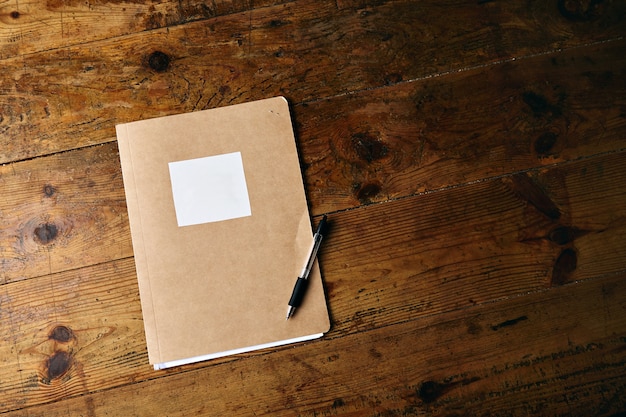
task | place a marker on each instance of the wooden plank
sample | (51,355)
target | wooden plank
(384,264)
(62,212)
(380,144)
(503,296)
(557,352)
(30,27)
(34,26)
(58,206)
(461,127)
(306,50)
(482,242)
(70,333)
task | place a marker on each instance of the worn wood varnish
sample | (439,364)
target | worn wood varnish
(396,274)
(305,50)
(471,157)
(491,356)
(44,25)
(62,212)
(434,133)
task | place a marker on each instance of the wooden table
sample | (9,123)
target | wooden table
(472,156)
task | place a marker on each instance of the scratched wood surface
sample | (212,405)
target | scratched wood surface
(470,155)
(305,50)
(373,277)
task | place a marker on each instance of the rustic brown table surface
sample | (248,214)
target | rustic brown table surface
(470,154)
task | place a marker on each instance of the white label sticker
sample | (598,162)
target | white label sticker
(209,189)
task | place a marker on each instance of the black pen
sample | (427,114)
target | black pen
(302,282)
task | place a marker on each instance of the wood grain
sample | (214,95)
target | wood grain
(368,147)
(386,147)
(62,212)
(486,357)
(306,50)
(443,251)
(435,133)
(34,26)
(70,333)
(470,156)
(383,265)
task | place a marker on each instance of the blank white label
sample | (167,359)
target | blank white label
(209,189)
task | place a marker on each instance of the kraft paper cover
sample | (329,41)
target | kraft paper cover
(211,288)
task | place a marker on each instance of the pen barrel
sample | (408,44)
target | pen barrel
(298,292)
(317,240)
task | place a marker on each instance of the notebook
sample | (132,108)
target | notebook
(220,230)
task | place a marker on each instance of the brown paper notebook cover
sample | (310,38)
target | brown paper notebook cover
(211,285)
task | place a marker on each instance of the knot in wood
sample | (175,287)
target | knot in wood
(580,10)
(368,147)
(564,266)
(58,364)
(429,391)
(365,193)
(545,142)
(46,233)
(49,190)
(159,61)
(61,334)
